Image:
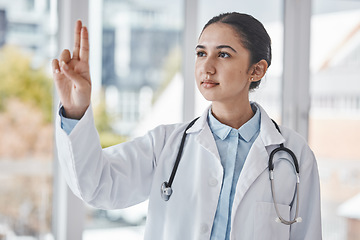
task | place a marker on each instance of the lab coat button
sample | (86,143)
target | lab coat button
(213,182)
(204,228)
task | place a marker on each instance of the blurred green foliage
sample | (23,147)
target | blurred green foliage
(19,80)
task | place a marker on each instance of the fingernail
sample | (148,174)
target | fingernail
(57,71)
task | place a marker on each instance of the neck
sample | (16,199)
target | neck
(232,115)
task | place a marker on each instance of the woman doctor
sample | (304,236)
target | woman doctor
(221,189)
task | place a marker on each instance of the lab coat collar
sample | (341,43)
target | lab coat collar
(268,135)
(268,132)
(205,136)
(200,123)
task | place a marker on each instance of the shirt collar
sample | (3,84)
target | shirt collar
(246,131)
(219,129)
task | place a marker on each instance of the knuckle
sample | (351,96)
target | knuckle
(85,48)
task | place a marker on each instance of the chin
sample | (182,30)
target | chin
(208,97)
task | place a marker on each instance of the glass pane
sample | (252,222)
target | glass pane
(26,149)
(270,14)
(141,64)
(335,113)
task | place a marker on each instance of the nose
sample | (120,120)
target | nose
(208,66)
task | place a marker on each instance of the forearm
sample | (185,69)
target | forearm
(75,150)
(115,177)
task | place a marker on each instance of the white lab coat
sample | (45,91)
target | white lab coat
(131,172)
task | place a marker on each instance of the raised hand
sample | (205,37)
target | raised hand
(72,75)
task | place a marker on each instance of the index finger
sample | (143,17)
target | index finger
(76,50)
(84,45)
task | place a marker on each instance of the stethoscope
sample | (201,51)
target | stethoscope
(166,189)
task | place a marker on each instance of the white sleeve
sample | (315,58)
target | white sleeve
(110,178)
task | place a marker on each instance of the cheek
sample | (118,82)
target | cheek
(242,76)
(238,81)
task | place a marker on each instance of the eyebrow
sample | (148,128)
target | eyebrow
(218,47)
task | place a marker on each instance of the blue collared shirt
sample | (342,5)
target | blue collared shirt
(67,124)
(233,146)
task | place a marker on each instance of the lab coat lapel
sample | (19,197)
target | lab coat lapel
(205,137)
(257,160)
(255,164)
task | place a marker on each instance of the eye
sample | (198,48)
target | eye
(224,55)
(200,54)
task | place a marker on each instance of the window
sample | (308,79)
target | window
(141,53)
(141,66)
(335,113)
(26,150)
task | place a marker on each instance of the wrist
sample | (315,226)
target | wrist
(73,113)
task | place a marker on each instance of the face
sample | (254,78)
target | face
(222,65)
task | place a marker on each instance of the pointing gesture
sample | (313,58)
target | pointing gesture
(72,76)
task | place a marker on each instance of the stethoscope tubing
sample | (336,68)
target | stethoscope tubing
(166,190)
(280,218)
(166,186)
(282,148)
(271,175)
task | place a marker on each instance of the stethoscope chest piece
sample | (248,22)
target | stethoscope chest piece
(165,191)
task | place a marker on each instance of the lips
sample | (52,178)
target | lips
(209,83)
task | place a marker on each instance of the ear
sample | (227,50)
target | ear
(258,70)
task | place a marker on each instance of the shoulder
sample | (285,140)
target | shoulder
(299,145)
(293,137)
(290,138)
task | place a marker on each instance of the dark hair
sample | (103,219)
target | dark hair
(253,36)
